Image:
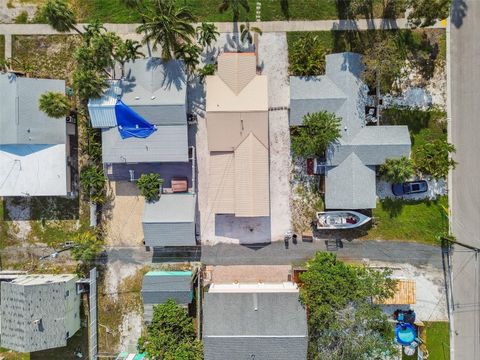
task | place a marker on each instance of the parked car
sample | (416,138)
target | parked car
(410,187)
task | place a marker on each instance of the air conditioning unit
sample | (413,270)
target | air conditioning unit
(71,119)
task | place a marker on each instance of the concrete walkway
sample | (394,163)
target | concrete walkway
(129,30)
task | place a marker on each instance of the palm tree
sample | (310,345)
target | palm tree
(396,170)
(317,132)
(168,26)
(89,83)
(190,54)
(59,16)
(206,34)
(127,51)
(54,104)
(246,32)
(235,6)
(93,29)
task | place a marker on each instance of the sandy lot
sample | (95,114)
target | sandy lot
(430,290)
(123,218)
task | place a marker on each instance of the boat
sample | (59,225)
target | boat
(345,219)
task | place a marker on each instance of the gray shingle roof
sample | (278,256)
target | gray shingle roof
(167,144)
(360,146)
(21,121)
(233,329)
(350,185)
(39,312)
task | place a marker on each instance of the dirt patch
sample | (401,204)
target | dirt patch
(123,215)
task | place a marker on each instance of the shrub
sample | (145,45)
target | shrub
(317,132)
(307,56)
(397,170)
(433,158)
(149,185)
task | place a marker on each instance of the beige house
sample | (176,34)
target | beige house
(237,127)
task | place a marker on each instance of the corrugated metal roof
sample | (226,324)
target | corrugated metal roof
(237,69)
(19,112)
(252,187)
(221,183)
(226,130)
(102,110)
(236,87)
(170,208)
(167,144)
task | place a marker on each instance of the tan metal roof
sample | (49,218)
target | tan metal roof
(239,180)
(236,87)
(237,69)
(237,128)
(226,130)
(221,182)
(251,178)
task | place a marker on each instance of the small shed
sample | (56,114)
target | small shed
(159,286)
(170,221)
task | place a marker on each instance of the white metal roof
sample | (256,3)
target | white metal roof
(33,170)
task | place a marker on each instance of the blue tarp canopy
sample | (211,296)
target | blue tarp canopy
(130,124)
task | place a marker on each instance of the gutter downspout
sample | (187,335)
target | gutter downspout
(193,170)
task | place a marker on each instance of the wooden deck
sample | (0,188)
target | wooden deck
(405,294)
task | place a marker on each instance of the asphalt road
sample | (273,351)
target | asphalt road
(277,254)
(465,180)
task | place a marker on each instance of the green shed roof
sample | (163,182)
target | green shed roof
(169,273)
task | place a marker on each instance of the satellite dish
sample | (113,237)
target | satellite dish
(409,350)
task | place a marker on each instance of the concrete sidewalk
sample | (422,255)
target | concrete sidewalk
(266,26)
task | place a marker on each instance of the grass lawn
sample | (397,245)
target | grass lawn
(6,354)
(207,10)
(437,341)
(424,125)
(46,56)
(420,221)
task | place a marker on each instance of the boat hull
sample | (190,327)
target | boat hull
(339,220)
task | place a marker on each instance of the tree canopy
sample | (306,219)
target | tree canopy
(433,158)
(59,15)
(397,170)
(344,324)
(426,12)
(171,335)
(317,132)
(169,26)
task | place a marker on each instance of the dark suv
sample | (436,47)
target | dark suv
(410,187)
